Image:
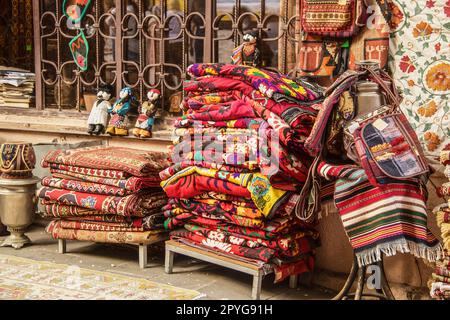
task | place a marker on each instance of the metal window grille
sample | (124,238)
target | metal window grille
(147,44)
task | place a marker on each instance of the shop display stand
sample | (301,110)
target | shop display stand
(257,272)
(359,274)
(143,249)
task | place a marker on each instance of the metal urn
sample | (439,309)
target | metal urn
(17,192)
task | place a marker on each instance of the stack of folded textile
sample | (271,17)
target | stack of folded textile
(440,283)
(104,194)
(238,156)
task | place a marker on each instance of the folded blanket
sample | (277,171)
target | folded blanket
(88,172)
(134,162)
(182,216)
(234,110)
(382,220)
(176,167)
(191,182)
(146,237)
(444,190)
(271,229)
(260,253)
(215,207)
(265,81)
(99,226)
(150,222)
(286,245)
(197,100)
(81,186)
(131,205)
(132,184)
(293,114)
(241,123)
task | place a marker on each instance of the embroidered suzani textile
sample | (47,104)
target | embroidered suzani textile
(420,63)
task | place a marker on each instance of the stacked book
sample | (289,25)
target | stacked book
(16,87)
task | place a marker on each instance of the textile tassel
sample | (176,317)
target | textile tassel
(370,256)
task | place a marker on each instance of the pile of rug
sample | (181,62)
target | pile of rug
(238,157)
(104,194)
(440,282)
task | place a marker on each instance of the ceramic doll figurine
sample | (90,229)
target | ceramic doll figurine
(117,125)
(248,53)
(146,118)
(98,118)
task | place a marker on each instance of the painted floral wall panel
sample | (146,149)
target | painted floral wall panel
(421,66)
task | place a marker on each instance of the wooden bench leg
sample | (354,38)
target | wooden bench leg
(168,267)
(293,281)
(256,287)
(62,246)
(143,256)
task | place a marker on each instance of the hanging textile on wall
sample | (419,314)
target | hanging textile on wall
(75,10)
(421,58)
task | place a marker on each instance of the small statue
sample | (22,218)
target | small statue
(247,54)
(117,125)
(98,118)
(146,118)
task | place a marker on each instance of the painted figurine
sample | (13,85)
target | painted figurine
(146,118)
(117,124)
(98,118)
(248,53)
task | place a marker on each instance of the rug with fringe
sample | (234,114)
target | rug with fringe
(387,220)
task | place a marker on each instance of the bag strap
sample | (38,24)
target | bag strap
(379,76)
(308,206)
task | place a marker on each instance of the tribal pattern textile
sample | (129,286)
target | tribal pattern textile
(98,226)
(146,237)
(259,253)
(286,245)
(80,186)
(134,162)
(265,81)
(382,220)
(133,184)
(81,171)
(130,205)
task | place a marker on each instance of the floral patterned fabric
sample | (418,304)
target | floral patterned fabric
(421,65)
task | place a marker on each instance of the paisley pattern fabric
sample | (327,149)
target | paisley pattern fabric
(421,65)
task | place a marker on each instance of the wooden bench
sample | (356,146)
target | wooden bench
(143,248)
(257,272)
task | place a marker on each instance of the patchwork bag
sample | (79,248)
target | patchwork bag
(388,147)
(333,18)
